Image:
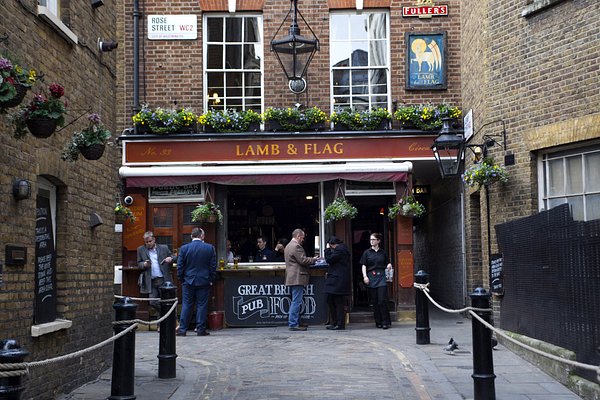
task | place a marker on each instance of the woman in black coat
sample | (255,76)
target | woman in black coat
(337,281)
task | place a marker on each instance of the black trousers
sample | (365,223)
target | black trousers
(381,313)
(336,309)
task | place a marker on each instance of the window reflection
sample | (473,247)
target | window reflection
(162,217)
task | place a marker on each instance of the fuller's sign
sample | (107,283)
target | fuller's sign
(425,9)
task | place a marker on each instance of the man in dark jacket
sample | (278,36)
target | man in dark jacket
(197,270)
(156,260)
(337,281)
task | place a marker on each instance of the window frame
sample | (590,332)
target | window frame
(563,154)
(368,68)
(206,70)
(50,12)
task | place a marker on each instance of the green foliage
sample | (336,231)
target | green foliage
(121,210)
(95,133)
(229,120)
(340,208)
(484,173)
(41,106)
(407,206)
(204,212)
(164,121)
(426,116)
(361,120)
(12,75)
(295,119)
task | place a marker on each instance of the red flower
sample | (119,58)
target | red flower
(56,90)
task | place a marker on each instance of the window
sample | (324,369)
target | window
(51,11)
(360,60)
(233,48)
(572,177)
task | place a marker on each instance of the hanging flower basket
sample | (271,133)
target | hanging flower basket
(93,151)
(21,91)
(408,207)
(367,120)
(484,173)
(123,214)
(208,212)
(339,209)
(41,127)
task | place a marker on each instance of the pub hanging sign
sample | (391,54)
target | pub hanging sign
(425,9)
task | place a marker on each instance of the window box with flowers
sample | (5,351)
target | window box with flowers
(207,212)
(294,119)
(339,209)
(42,115)
(230,120)
(426,117)
(375,119)
(162,121)
(407,206)
(15,81)
(484,173)
(89,142)
(123,214)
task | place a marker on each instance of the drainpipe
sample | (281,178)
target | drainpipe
(136,56)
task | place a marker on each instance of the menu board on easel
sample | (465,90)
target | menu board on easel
(45,263)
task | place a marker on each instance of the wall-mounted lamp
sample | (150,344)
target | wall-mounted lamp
(449,147)
(97,3)
(21,189)
(108,45)
(294,51)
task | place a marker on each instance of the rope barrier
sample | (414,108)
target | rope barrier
(19,369)
(500,332)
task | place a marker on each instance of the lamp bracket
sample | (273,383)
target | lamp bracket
(489,140)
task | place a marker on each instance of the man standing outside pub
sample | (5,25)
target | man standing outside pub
(297,276)
(156,260)
(197,270)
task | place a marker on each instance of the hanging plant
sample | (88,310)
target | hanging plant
(339,209)
(43,112)
(407,206)
(207,212)
(484,173)
(92,138)
(124,213)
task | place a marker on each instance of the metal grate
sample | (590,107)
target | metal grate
(552,281)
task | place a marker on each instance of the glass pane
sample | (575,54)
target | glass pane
(592,172)
(339,54)
(166,240)
(339,27)
(187,215)
(215,80)
(556,178)
(377,54)
(233,30)
(358,26)
(359,77)
(576,205)
(592,207)
(162,217)
(252,79)
(214,56)
(360,54)
(251,58)
(235,103)
(556,202)
(341,78)
(377,26)
(574,175)
(214,27)
(233,56)
(378,77)
(252,32)
(341,102)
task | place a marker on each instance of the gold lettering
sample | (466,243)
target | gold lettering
(237,150)
(338,148)
(262,150)
(417,147)
(291,150)
(275,149)
(308,148)
(150,151)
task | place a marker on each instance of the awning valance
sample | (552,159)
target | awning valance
(265,174)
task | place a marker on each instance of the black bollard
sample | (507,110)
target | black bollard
(422,309)
(483,363)
(166,348)
(11,387)
(123,370)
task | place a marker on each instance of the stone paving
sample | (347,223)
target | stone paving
(361,362)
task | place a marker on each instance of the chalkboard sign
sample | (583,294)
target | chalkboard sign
(45,263)
(265,301)
(496,278)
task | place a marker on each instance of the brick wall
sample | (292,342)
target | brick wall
(85,257)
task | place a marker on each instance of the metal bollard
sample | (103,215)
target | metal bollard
(483,363)
(123,378)
(11,387)
(422,310)
(166,350)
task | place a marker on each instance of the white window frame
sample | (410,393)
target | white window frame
(386,67)
(49,11)
(205,94)
(543,174)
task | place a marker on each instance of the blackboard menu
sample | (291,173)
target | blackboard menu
(265,301)
(496,281)
(45,263)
